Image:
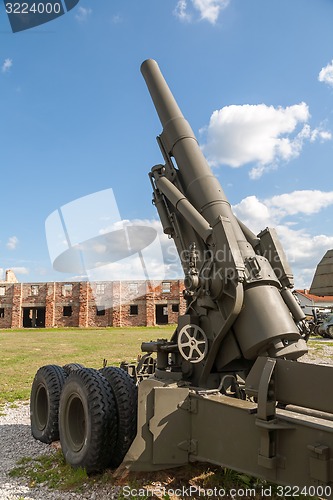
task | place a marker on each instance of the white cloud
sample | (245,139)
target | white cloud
(260,134)
(82,14)
(6,65)
(20,270)
(12,242)
(181,11)
(307,201)
(325,135)
(312,135)
(254,213)
(271,211)
(303,250)
(209,10)
(326,74)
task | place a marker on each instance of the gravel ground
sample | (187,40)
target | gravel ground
(16,442)
(320,352)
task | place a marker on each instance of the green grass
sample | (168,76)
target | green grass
(24,351)
(51,470)
(319,341)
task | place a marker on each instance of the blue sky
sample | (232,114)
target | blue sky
(254,79)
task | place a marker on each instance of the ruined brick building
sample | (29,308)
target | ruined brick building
(83,304)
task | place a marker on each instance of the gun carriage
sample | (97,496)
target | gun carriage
(229,386)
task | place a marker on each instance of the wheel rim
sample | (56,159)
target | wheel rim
(41,407)
(76,423)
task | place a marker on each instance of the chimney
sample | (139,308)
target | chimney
(10,276)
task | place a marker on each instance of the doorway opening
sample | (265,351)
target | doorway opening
(34,317)
(161,312)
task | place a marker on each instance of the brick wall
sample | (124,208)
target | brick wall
(83,304)
(67,304)
(6,305)
(50,306)
(17,306)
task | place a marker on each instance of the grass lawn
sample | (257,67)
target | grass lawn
(24,351)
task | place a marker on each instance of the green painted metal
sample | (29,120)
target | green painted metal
(322,283)
(228,387)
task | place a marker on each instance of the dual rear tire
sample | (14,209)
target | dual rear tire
(92,412)
(125,393)
(44,402)
(87,420)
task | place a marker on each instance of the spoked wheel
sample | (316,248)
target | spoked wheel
(44,402)
(87,420)
(192,343)
(146,366)
(126,397)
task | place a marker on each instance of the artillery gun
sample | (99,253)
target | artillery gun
(228,387)
(322,324)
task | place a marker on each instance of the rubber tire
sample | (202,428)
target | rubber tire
(126,396)
(316,330)
(70,367)
(87,420)
(330,331)
(44,402)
